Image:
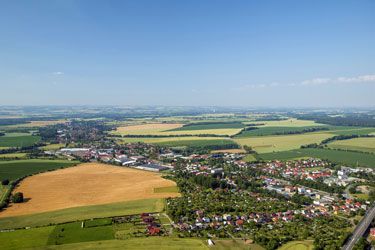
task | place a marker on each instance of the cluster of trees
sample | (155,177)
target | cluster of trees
(319,185)
(2,134)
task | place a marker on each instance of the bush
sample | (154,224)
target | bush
(5,182)
(17,197)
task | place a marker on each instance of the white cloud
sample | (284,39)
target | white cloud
(316,81)
(363,78)
(58,73)
(312,82)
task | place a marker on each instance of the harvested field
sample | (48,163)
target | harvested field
(86,184)
(147,129)
(168,129)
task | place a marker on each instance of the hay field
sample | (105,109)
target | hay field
(267,144)
(365,144)
(165,129)
(86,184)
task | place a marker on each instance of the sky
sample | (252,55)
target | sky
(261,53)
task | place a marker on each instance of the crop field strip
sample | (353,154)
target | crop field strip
(18,140)
(15,169)
(153,205)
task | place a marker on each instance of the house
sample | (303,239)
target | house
(372,232)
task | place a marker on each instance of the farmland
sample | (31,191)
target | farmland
(298,245)
(84,212)
(365,144)
(168,129)
(18,140)
(339,156)
(266,144)
(209,126)
(213,143)
(13,170)
(86,184)
(292,122)
(265,130)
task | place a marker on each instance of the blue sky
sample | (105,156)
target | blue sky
(205,52)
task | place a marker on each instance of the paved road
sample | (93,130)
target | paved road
(360,229)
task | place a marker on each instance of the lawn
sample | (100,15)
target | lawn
(13,170)
(365,144)
(165,243)
(249,158)
(83,213)
(74,233)
(338,156)
(298,245)
(10,140)
(267,144)
(21,239)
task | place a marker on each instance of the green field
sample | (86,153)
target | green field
(267,144)
(264,131)
(346,130)
(21,239)
(165,243)
(13,155)
(298,245)
(338,156)
(235,245)
(73,233)
(365,144)
(209,125)
(53,146)
(83,213)
(18,140)
(173,189)
(13,170)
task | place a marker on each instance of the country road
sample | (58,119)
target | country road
(360,229)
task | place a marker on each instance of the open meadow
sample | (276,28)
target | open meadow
(84,185)
(365,144)
(298,245)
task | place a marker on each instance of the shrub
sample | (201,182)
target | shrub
(5,182)
(17,197)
